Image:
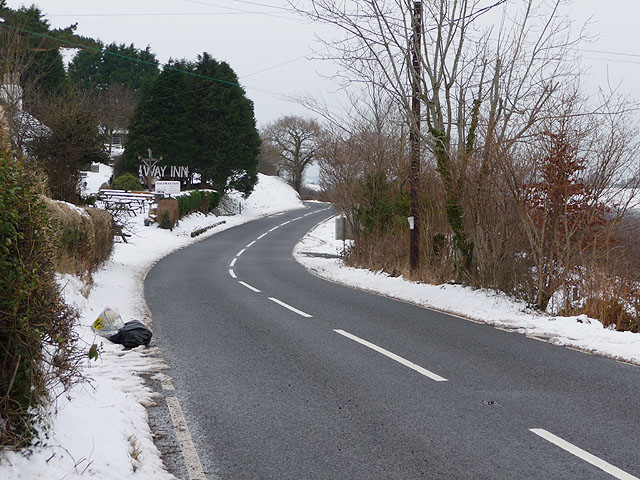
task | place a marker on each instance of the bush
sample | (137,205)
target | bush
(36,327)
(167,213)
(383,205)
(198,201)
(127,182)
(82,238)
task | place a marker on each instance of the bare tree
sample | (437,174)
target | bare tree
(71,141)
(16,57)
(117,105)
(296,141)
(562,183)
(479,93)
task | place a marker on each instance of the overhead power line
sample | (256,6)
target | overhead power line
(275,15)
(263,5)
(608,52)
(179,14)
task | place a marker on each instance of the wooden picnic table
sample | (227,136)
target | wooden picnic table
(129,202)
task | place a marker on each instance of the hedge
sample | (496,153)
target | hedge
(198,201)
(38,353)
(82,237)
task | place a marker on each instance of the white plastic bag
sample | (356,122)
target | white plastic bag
(108,323)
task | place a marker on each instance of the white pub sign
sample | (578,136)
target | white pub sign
(167,187)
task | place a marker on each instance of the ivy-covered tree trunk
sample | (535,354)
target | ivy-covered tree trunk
(455,211)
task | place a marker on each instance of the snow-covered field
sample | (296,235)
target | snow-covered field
(100,430)
(479,305)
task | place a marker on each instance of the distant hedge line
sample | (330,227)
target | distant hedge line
(198,201)
(171,210)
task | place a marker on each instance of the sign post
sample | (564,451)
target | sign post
(150,164)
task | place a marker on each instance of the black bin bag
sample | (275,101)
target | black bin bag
(132,335)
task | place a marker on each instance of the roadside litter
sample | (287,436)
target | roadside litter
(110,325)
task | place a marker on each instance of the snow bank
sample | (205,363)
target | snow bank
(481,305)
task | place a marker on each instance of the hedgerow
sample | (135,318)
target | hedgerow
(203,201)
(82,237)
(37,341)
(198,201)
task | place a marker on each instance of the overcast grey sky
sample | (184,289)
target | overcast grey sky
(269,47)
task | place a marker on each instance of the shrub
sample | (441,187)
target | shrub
(103,230)
(198,201)
(82,238)
(167,213)
(37,340)
(383,205)
(127,182)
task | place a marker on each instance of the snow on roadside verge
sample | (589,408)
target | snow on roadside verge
(481,305)
(101,429)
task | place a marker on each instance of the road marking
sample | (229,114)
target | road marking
(307,214)
(240,252)
(249,245)
(248,286)
(284,223)
(293,309)
(191,458)
(233,262)
(583,454)
(297,218)
(275,228)
(263,235)
(393,356)
(165,381)
(232,273)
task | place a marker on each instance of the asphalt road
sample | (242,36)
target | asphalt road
(306,379)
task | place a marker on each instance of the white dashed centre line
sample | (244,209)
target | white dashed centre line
(244,284)
(289,307)
(583,454)
(393,356)
(233,262)
(250,244)
(240,252)
(284,223)
(232,273)
(275,228)
(263,235)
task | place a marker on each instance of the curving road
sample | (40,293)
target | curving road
(282,375)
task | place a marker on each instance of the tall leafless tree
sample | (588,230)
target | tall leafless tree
(481,90)
(296,141)
(117,104)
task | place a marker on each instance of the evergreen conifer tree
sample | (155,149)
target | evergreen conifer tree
(196,114)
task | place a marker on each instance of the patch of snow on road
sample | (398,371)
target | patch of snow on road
(481,305)
(101,429)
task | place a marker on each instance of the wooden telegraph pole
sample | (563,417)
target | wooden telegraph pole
(414,139)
